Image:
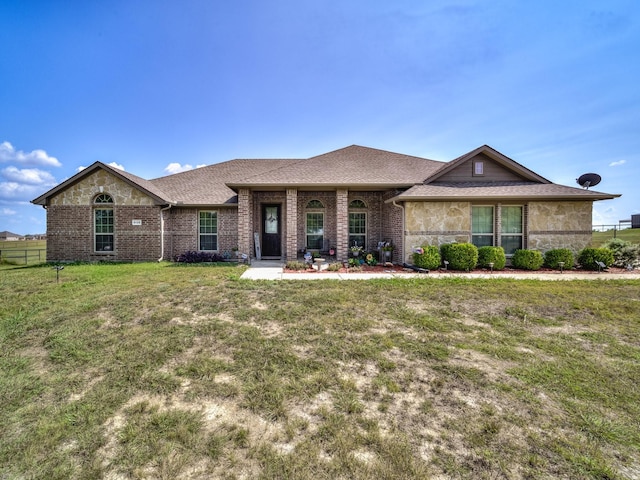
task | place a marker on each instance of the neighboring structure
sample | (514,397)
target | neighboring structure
(355,195)
(8,236)
(635,221)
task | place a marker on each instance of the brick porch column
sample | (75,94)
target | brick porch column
(291,249)
(244,221)
(342,224)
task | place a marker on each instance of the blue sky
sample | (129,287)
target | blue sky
(158,86)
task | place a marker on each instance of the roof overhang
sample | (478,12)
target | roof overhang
(44,198)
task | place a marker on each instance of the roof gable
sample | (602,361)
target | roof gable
(136,182)
(497,167)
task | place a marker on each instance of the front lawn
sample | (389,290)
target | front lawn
(158,371)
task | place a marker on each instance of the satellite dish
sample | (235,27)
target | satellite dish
(589,180)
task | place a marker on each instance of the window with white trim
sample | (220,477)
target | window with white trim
(208,230)
(482,226)
(103,223)
(315,230)
(358,223)
(478,168)
(512,228)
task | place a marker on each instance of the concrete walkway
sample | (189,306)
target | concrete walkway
(273,270)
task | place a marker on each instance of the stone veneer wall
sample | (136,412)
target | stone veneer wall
(435,223)
(560,225)
(84,191)
(70,235)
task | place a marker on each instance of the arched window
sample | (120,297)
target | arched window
(314,229)
(358,223)
(103,198)
(103,223)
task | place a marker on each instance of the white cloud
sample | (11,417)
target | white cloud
(112,164)
(116,165)
(618,163)
(34,158)
(8,211)
(31,176)
(18,191)
(177,168)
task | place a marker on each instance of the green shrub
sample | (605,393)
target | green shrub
(552,258)
(527,259)
(334,267)
(429,259)
(461,256)
(588,257)
(625,253)
(493,255)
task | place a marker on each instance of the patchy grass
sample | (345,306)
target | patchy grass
(153,371)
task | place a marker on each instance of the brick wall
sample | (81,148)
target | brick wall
(70,235)
(291,230)
(393,226)
(328,200)
(181,230)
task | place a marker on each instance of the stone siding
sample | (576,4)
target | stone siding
(559,225)
(84,191)
(435,223)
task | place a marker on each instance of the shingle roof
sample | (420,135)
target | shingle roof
(354,167)
(351,166)
(208,185)
(498,190)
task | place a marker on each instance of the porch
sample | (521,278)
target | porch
(284,224)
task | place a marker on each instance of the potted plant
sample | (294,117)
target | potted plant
(387,248)
(355,250)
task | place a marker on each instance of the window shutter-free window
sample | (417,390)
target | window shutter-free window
(482,226)
(208,231)
(315,230)
(512,229)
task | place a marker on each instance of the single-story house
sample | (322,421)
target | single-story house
(279,208)
(8,236)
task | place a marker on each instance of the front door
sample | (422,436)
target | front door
(271,236)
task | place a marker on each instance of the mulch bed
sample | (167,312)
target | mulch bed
(400,269)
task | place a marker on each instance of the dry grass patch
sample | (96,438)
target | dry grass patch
(201,375)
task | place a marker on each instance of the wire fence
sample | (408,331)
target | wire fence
(23,256)
(613,228)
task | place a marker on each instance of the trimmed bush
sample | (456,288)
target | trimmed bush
(527,259)
(588,257)
(430,259)
(461,256)
(552,258)
(493,255)
(625,253)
